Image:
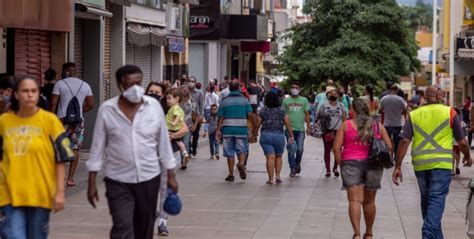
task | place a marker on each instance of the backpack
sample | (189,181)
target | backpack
(73,112)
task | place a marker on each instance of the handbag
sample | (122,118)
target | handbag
(316,130)
(329,136)
(379,154)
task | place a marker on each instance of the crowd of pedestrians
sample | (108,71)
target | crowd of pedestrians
(144,135)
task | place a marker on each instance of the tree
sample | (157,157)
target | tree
(350,40)
(418,16)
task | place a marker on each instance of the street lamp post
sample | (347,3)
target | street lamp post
(451,52)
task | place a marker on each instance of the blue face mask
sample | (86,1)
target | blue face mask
(6,99)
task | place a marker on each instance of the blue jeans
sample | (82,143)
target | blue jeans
(294,158)
(313,113)
(434,187)
(24,222)
(394,133)
(213,144)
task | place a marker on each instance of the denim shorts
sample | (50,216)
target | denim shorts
(235,146)
(361,172)
(273,143)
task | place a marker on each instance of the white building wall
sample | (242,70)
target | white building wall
(146,14)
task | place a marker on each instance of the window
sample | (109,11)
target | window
(158,4)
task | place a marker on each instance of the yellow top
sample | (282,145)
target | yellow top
(173,112)
(28,166)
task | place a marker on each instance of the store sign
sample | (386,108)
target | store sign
(205,20)
(175,44)
(200,22)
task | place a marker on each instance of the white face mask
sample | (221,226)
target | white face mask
(295,92)
(134,94)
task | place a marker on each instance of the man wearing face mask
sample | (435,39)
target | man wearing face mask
(198,97)
(134,155)
(297,108)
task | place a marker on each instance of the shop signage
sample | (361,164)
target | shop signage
(205,20)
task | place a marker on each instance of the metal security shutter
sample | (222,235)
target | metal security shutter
(141,57)
(107,56)
(79,47)
(32,52)
(197,61)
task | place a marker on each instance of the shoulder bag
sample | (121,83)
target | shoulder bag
(379,154)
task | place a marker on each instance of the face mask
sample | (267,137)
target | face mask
(134,94)
(295,92)
(332,98)
(191,85)
(158,97)
(6,99)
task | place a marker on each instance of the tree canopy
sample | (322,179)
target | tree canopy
(418,16)
(366,41)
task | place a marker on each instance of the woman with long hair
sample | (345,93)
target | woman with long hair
(374,102)
(273,120)
(337,115)
(34,149)
(360,178)
(189,107)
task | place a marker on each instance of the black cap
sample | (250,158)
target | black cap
(50,74)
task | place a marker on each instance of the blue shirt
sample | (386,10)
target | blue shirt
(234,109)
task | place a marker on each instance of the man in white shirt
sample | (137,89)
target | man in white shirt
(131,139)
(63,92)
(210,99)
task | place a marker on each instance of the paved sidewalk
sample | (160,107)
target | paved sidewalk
(309,206)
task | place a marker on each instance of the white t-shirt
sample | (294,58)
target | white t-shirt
(81,92)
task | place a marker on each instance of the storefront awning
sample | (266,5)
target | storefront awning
(143,35)
(257,46)
(82,7)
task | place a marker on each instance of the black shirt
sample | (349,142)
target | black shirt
(47,91)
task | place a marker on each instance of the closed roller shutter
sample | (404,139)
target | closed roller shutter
(32,52)
(197,61)
(141,57)
(79,47)
(107,56)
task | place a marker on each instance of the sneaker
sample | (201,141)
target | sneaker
(242,173)
(162,231)
(293,173)
(186,158)
(229,178)
(298,169)
(328,174)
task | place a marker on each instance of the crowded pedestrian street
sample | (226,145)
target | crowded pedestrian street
(307,206)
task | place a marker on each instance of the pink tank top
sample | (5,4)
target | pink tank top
(352,148)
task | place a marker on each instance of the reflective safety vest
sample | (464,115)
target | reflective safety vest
(432,137)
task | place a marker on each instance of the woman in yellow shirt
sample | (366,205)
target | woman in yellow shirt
(34,149)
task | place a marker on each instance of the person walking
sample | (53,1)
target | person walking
(321,99)
(188,105)
(360,178)
(432,156)
(47,89)
(393,108)
(210,99)
(255,93)
(132,142)
(156,90)
(72,91)
(34,149)
(6,91)
(211,128)
(234,111)
(297,109)
(272,138)
(175,119)
(335,111)
(198,97)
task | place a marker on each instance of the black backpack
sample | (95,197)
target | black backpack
(73,112)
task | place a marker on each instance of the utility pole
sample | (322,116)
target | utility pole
(435,38)
(451,52)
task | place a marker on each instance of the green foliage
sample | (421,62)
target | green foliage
(349,40)
(418,16)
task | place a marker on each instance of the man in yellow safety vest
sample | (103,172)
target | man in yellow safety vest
(433,129)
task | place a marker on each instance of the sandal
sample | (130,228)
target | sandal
(328,174)
(269,182)
(336,173)
(70,183)
(278,181)
(368,235)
